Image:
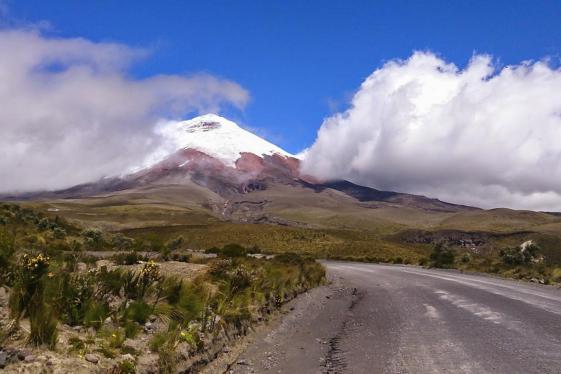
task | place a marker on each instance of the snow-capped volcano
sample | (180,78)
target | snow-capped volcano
(211,153)
(214,136)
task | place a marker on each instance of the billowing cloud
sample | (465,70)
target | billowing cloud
(481,135)
(71,113)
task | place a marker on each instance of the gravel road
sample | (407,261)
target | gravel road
(394,319)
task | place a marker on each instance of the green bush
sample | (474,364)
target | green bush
(93,239)
(233,250)
(442,256)
(524,254)
(229,250)
(76,293)
(213,250)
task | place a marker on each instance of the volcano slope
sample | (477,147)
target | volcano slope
(223,184)
(292,214)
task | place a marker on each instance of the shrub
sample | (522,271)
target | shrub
(76,344)
(219,268)
(125,367)
(131,329)
(135,284)
(122,242)
(7,250)
(76,292)
(240,278)
(213,250)
(28,283)
(93,239)
(138,311)
(233,250)
(43,224)
(289,259)
(158,340)
(145,279)
(171,288)
(111,282)
(167,356)
(466,258)
(59,233)
(524,254)
(181,257)
(442,256)
(175,244)
(28,298)
(107,351)
(115,338)
(193,298)
(229,250)
(128,258)
(96,314)
(191,336)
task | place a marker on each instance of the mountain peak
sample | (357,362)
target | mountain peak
(208,122)
(215,136)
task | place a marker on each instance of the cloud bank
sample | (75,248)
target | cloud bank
(481,135)
(71,113)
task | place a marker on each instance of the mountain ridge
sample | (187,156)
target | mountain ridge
(217,154)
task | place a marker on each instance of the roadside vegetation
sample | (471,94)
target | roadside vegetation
(127,311)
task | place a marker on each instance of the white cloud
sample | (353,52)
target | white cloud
(71,113)
(482,135)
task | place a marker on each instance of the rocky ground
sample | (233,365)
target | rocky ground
(82,349)
(17,357)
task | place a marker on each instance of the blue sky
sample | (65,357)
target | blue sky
(302,60)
